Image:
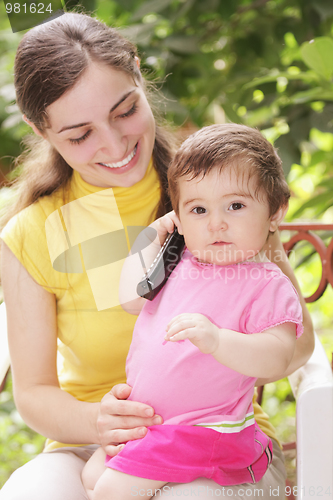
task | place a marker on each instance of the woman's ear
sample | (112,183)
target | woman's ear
(278,217)
(137,60)
(32,125)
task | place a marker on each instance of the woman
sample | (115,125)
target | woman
(96,176)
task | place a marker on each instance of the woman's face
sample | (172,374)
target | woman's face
(103,127)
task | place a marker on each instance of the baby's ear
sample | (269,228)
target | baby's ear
(278,217)
(179,227)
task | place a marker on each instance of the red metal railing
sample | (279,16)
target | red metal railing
(305,232)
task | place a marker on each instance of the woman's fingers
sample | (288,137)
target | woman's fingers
(121,436)
(112,437)
(121,420)
(117,422)
(112,406)
(121,391)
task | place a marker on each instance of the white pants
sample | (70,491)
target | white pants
(56,475)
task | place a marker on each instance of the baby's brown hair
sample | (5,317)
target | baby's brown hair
(220,146)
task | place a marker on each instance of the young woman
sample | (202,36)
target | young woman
(96,172)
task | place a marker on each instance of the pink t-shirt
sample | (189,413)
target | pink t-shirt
(181,383)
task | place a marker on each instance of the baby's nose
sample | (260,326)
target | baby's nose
(217,223)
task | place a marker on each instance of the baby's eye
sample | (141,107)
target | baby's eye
(236,206)
(199,210)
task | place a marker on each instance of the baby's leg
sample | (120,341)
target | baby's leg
(117,485)
(93,470)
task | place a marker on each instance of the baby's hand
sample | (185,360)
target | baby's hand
(195,327)
(165,225)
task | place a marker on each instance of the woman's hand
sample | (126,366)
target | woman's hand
(120,421)
(195,327)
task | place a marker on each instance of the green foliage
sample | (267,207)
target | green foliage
(18,443)
(12,128)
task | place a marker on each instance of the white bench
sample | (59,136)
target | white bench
(312,386)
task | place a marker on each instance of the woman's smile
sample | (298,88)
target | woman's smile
(122,163)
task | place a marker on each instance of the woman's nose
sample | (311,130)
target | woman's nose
(113,144)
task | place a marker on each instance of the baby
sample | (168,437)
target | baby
(237,314)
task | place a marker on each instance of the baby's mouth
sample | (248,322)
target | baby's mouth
(123,162)
(221,243)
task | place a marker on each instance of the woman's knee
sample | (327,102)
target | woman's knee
(51,476)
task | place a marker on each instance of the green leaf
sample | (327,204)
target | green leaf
(275,74)
(153,6)
(318,56)
(327,183)
(310,95)
(182,44)
(139,33)
(318,202)
(288,152)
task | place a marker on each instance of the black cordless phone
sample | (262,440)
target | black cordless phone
(163,265)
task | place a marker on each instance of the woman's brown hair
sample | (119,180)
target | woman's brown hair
(49,61)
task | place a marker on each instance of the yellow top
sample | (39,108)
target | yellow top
(73,243)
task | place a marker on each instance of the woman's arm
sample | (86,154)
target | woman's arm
(305,344)
(32,335)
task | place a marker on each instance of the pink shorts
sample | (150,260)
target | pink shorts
(182,453)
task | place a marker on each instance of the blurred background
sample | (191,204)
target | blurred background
(264,63)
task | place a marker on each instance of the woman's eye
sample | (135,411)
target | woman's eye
(199,210)
(130,112)
(80,139)
(236,206)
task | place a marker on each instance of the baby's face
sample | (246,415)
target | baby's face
(222,220)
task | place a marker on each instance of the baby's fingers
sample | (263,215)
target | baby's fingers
(177,337)
(181,330)
(177,326)
(113,450)
(179,321)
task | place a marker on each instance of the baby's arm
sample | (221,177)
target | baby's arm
(305,344)
(149,243)
(255,355)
